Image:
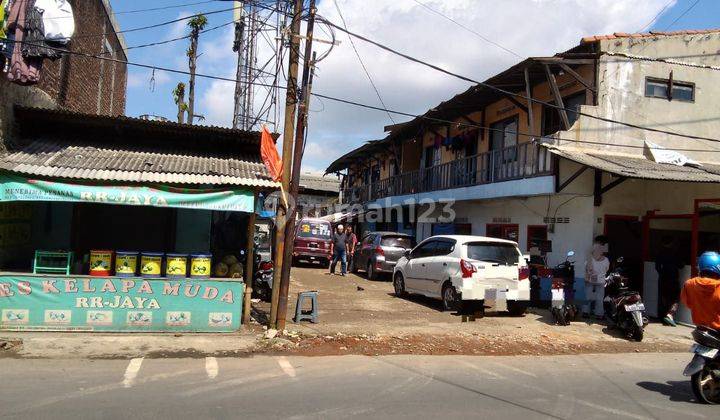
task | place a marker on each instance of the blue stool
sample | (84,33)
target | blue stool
(313,313)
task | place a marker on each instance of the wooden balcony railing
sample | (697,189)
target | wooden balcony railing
(516,162)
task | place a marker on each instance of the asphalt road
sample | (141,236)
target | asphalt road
(634,386)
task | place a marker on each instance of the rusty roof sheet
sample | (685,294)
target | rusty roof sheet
(639,167)
(62,144)
(651,34)
(324,183)
(59,159)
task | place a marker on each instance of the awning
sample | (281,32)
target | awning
(15,188)
(639,167)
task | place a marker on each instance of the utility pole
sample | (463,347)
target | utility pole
(288,136)
(308,73)
(238,46)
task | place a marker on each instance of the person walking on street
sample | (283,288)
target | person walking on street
(668,265)
(596,269)
(338,248)
(351,243)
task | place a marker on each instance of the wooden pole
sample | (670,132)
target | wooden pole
(530,116)
(308,69)
(288,136)
(249,264)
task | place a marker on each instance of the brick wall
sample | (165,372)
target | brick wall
(84,84)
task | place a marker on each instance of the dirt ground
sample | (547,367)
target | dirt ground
(358,316)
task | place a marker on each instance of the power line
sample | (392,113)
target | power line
(509,93)
(155,25)
(692,6)
(167,41)
(647,25)
(357,54)
(151,9)
(481,36)
(352,102)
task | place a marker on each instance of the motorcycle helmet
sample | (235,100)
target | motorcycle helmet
(709,262)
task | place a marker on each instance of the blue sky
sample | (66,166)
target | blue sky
(334,128)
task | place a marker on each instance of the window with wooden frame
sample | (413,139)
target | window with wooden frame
(510,232)
(669,89)
(536,234)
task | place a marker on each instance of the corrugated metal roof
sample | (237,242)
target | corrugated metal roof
(66,144)
(113,163)
(320,183)
(638,167)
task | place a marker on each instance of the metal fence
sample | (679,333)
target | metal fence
(516,162)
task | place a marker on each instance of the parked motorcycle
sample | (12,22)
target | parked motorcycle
(704,369)
(262,276)
(624,307)
(563,310)
(263,279)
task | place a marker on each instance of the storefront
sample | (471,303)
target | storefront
(119,224)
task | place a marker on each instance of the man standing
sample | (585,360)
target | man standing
(596,269)
(351,243)
(338,248)
(668,265)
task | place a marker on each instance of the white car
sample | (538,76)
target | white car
(465,272)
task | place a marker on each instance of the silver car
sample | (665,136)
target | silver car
(378,252)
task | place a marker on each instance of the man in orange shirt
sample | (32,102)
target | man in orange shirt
(702,294)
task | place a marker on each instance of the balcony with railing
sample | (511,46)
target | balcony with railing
(524,160)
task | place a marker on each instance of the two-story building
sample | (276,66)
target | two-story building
(614,136)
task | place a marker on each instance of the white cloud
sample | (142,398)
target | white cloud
(527,27)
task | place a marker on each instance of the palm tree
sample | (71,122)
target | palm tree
(196,24)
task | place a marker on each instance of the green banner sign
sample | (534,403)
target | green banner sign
(14,188)
(54,303)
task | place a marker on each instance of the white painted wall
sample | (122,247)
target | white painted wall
(621,96)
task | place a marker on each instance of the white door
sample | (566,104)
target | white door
(416,269)
(439,267)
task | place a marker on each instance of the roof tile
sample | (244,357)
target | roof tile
(595,38)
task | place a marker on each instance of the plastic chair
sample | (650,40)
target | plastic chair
(311,315)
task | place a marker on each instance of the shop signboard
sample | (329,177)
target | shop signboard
(15,188)
(30,302)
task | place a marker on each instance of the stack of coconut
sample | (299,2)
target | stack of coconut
(229,266)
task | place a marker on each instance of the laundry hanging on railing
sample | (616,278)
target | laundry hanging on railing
(23,70)
(35,45)
(36,30)
(58,20)
(460,141)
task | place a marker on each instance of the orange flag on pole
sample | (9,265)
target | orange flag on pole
(270,155)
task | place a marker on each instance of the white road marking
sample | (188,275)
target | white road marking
(286,366)
(131,372)
(489,373)
(211,367)
(611,410)
(514,369)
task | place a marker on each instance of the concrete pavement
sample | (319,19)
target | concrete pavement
(634,386)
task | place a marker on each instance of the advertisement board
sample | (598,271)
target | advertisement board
(15,188)
(82,303)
